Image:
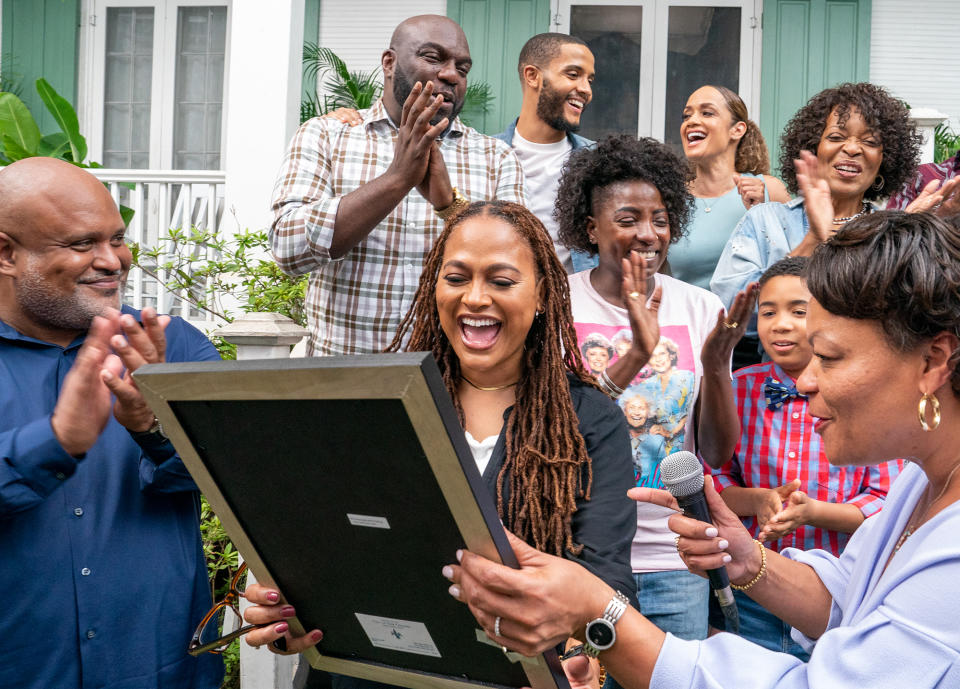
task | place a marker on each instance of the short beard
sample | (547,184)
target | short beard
(550,109)
(73,312)
(402,86)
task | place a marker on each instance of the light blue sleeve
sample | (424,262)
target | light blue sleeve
(902,633)
(743,259)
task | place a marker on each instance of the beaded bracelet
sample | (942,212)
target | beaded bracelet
(763,569)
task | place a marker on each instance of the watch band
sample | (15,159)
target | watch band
(155,431)
(605,625)
(459,202)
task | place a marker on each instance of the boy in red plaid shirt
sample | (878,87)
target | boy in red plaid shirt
(778,479)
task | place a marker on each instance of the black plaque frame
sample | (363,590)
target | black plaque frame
(347,483)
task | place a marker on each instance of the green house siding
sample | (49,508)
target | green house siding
(808,45)
(40,40)
(496,30)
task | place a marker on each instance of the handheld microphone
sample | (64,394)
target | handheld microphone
(682,474)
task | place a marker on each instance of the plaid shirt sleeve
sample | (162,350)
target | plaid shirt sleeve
(304,206)
(510,178)
(876,483)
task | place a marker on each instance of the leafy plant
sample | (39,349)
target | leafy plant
(359,90)
(206,270)
(946,142)
(20,135)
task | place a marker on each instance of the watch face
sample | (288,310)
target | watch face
(600,633)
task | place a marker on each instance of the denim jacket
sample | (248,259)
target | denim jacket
(580,259)
(765,234)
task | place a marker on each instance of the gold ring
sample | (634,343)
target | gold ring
(634,295)
(731,325)
(676,543)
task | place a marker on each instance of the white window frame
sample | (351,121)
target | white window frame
(653,52)
(92,71)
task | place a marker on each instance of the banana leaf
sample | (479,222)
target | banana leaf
(66,117)
(18,124)
(54,145)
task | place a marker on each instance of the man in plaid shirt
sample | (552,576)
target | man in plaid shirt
(358,208)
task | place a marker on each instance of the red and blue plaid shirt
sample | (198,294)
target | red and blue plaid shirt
(777,446)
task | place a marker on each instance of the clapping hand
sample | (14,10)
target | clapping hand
(792,516)
(135,345)
(644,325)
(771,501)
(417,160)
(817,199)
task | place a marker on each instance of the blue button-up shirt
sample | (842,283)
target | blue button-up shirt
(100,557)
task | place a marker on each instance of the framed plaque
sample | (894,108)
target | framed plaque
(347,484)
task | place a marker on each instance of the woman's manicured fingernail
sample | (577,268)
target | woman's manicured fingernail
(726,558)
(316,635)
(454,591)
(448,572)
(281,628)
(273,596)
(459,555)
(711,532)
(722,544)
(287,611)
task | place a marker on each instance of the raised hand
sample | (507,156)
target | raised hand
(751,190)
(941,200)
(817,199)
(413,155)
(135,347)
(83,407)
(718,347)
(643,317)
(435,186)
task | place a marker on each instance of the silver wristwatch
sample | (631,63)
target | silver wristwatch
(601,633)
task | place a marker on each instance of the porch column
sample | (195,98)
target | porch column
(262,99)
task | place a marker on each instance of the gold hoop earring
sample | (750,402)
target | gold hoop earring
(879,182)
(922,412)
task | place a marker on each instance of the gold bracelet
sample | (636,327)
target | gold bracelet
(459,202)
(763,569)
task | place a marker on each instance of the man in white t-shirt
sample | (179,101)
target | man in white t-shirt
(556,75)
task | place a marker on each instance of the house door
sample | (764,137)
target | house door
(652,54)
(151,80)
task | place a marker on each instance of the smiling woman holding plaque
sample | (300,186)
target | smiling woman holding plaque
(493,307)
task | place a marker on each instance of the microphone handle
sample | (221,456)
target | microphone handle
(695,506)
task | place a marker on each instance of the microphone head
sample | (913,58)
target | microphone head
(682,474)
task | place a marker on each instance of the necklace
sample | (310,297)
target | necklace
(843,221)
(908,532)
(490,389)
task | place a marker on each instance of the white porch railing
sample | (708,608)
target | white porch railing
(163,200)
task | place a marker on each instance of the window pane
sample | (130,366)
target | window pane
(128,70)
(703,47)
(613,34)
(201,36)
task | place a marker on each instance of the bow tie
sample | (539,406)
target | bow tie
(776,393)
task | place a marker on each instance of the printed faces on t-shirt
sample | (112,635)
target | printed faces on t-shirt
(657,403)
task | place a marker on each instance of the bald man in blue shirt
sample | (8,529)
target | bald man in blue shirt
(100,553)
